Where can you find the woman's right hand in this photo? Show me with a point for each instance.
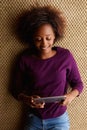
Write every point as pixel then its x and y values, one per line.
pixel 29 100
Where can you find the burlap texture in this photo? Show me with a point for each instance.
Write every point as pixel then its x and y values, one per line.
pixel 75 40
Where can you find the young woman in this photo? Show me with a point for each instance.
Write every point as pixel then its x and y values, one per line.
pixel 44 70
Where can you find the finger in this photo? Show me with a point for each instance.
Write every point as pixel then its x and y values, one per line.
pixel 40 105
pixel 64 103
pixel 37 106
pixel 33 104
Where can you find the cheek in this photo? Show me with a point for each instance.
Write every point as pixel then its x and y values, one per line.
pixel 52 42
pixel 37 44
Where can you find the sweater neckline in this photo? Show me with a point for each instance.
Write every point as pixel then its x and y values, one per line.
pixel 50 58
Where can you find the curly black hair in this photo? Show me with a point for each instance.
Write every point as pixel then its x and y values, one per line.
pixel 30 20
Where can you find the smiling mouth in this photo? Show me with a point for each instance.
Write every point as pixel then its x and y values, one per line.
pixel 44 48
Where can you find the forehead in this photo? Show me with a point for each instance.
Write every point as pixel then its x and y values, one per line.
pixel 45 30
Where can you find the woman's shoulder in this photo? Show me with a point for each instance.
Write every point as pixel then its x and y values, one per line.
pixel 66 54
pixel 63 51
pixel 25 52
pixel 24 55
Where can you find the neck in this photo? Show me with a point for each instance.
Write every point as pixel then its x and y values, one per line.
pixel 47 55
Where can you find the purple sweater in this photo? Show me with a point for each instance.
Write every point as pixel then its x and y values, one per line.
pixel 48 77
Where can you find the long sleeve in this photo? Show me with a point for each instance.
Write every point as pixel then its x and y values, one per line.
pixel 74 76
pixel 18 78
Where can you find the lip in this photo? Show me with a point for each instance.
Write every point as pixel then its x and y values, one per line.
pixel 44 48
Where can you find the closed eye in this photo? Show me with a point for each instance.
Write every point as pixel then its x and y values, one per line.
pixel 38 39
pixel 48 38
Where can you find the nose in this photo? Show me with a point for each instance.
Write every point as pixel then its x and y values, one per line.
pixel 44 42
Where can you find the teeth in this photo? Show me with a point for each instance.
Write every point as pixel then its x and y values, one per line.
pixel 44 48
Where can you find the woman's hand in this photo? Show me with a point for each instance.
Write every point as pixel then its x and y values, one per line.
pixel 70 97
pixel 29 100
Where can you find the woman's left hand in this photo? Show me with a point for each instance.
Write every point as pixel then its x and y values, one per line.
pixel 70 97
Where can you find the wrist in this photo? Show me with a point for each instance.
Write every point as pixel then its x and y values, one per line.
pixel 74 93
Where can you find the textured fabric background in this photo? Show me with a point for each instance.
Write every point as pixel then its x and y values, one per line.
pixel 75 11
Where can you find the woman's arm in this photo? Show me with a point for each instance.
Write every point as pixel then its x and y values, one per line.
pixel 29 100
pixel 70 97
pixel 74 79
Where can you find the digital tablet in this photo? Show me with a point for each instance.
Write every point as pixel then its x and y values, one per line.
pixel 50 99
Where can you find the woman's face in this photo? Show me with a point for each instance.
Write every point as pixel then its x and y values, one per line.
pixel 44 38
